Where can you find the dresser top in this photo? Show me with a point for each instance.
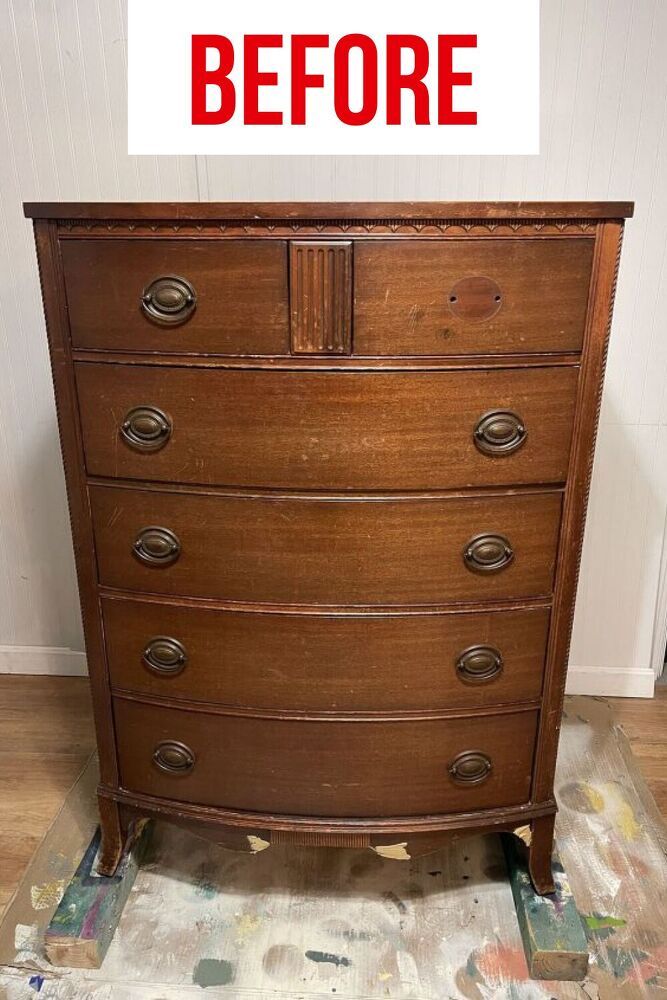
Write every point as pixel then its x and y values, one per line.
pixel 330 210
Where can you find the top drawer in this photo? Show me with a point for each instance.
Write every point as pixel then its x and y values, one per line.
pixel 229 297
pixel 459 297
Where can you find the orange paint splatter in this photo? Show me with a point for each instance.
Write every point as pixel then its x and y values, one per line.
pixel 498 963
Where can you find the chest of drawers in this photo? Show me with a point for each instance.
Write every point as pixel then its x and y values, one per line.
pixel 327 468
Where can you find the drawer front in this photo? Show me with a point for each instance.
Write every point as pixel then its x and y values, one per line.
pixel 307 551
pixel 326 664
pixel 471 296
pixel 324 768
pixel 329 430
pixel 239 289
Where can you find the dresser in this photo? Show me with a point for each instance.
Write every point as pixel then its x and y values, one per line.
pixel 327 468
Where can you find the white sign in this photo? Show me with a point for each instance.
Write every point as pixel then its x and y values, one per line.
pixel 214 77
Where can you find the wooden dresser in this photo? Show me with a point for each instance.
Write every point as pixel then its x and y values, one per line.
pixel 328 467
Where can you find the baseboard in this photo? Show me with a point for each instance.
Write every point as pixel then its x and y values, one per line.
pixel 613 682
pixel 56 660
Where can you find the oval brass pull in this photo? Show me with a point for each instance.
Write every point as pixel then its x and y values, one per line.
pixel 173 757
pixel 470 767
pixel 499 432
pixel 146 428
pixel 488 553
pixel 478 664
pixel 169 299
pixel 165 655
pixel 157 546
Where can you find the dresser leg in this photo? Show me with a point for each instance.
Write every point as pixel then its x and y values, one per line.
pixel 539 854
pixel 113 836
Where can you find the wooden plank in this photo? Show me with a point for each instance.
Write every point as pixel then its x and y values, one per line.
pixel 331 210
pixel 553 935
pixel 84 924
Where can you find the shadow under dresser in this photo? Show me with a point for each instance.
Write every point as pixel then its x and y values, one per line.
pixel 328 467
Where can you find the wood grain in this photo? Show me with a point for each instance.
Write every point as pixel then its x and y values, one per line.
pixel 325 663
pixel 241 290
pixel 46 737
pixel 403 292
pixel 603 287
pixel 321 297
pixel 330 210
pixel 327 430
pixel 336 552
pixel 325 768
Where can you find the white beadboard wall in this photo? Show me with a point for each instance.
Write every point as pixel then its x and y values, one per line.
pixel 604 117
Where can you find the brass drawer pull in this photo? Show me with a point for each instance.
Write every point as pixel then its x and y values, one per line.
pixel 157 546
pixel 499 432
pixel 470 767
pixel 169 299
pixel 146 428
pixel 479 664
pixel 488 553
pixel 173 757
pixel 165 656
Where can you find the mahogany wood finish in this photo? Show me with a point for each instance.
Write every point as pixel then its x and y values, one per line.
pixel 240 290
pixel 349 768
pixel 328 554
pixel 470 297
pixel 321 297
pixel 324 662
pixel 332 430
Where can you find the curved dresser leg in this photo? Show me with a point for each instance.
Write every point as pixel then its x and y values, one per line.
pixel 539 854
pixel 113 836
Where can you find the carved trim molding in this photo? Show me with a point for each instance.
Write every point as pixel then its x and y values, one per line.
pixel 321 296
pixel 324 227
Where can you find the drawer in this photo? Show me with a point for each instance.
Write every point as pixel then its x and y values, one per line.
pixel 324 768
pixel 239 289
pixel 320 551
pixel 483 296
pixel 322 663
pixel 343 430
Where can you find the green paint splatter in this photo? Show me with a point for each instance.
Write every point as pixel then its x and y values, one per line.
pixel 213 972
pixel 325 956
pixel 600 925
pixel 596 920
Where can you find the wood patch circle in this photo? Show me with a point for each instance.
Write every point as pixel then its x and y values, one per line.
pixel 475 299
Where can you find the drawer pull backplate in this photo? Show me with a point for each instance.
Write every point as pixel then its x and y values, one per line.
pixel 146 428
pixel 478 664
pixel 173 757
pixel 488 553
pixel 165 655
pixel 470 767
pixel 499 432
pixel 156 546
pixel 169 299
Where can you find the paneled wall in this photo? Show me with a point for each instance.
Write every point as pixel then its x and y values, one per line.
pixel 604 135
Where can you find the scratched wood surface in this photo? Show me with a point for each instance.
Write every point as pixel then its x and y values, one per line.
pixel 311 923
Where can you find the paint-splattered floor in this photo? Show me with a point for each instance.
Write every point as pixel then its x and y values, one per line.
pixel 290 923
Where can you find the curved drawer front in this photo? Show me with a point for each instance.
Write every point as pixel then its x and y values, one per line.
pixel 470 296
pixel 325 768
pixel 178 296
pixel 323 663
pixel 331 430
pixel 341 552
